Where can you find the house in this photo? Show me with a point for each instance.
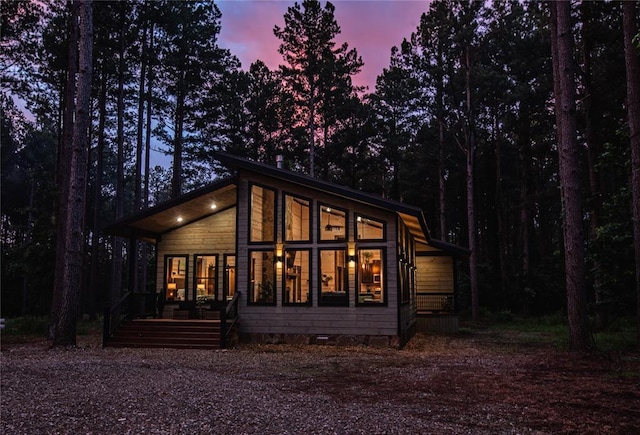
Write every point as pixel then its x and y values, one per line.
pixel 293 258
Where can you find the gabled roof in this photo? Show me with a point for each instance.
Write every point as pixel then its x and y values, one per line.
pixel 150 224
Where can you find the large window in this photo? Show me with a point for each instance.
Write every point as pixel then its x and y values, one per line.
pixel 262 226
pixel 333 277
pixel 175 272
pixel 206 277
pixel 332 223
pixel 262 283
pixel 371 276
pixel 297 277
pixel 229 288
pixel 297 222
pixel 369 229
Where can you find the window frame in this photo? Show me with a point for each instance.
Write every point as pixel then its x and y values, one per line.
pixel 226 280
pixel 343 302
pixel 196 277
pixel 380 221
pixel 283 285
pixel 384 280
pixel 251 299
pixel 166 278
pixel 274 211
pixel 322 205
pixel 286 195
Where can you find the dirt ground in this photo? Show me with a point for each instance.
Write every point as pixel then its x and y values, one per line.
pixel 494 383
pixel 479 382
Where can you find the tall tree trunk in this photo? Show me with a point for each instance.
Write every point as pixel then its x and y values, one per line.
pixel 523 156
pixel 312 130
pixel 176 180
pixel 139 137
pixel 630 28
pixel 441 146
pixel 134 246
pixel 66 310
pixel 116 265
pixel 27 239
pixel 441 182
pixel 569 162
pixel 470 148
pixel 96 234
pixel 600 292
pixel 147 145
pixel 503 233
pixel 65 146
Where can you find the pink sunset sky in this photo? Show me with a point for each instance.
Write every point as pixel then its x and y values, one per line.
pixel 372 27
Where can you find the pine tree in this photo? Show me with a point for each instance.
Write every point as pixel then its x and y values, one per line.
pixel 316 72
pixel 64 312
pixel 565 106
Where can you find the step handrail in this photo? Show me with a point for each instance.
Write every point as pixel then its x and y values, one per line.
pixel 230 311
pixel 108 325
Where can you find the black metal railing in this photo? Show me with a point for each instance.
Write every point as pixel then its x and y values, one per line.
pixel 435 302
pixel 228 313
pixel 114 316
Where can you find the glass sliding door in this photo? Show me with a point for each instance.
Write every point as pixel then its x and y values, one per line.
pixel 206 277
pixel 229 288
pixel 175 272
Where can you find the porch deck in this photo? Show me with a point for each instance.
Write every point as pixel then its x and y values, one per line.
pixel 168 333
pixel 436 313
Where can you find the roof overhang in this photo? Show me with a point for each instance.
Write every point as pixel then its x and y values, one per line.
pixel 151 223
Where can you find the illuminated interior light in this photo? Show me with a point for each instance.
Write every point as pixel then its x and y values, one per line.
pixel 213 206
pixel 179 219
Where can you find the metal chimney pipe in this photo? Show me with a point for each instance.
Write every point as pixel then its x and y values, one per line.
pixel 279 160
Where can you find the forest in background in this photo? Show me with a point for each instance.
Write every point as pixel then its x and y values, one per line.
pixel 465 109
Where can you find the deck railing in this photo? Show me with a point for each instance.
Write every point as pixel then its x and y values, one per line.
pixel 228 312
pixel 114 316
pixel 435 303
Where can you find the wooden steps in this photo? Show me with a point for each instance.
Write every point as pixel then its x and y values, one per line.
pixel 167 333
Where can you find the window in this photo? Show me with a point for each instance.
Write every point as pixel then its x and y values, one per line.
pixel 262 226
pixel 175 272
pixel 371 279
pixel 333 223
pixel 206 277
pixel 297 225
pixel 229 288
pixel 333 277
pixel 404 275
pixel 262 269
pixel 369 229
pixel 297 276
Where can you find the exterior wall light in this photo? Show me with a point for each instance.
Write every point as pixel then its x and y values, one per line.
pixel 352 254
pixel 279 254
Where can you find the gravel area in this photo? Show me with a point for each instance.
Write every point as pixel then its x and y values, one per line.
pixel 435 385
